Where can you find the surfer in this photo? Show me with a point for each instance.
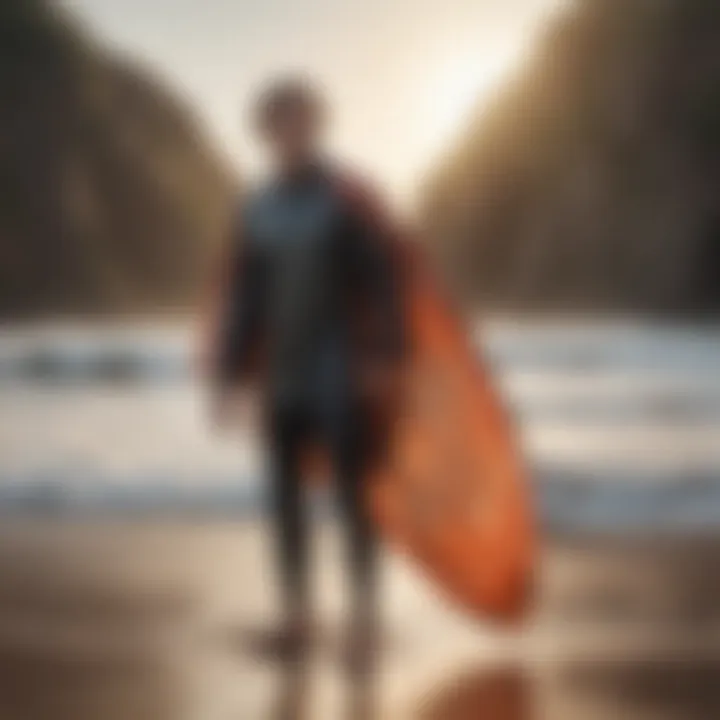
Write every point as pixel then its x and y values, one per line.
pixel 309 266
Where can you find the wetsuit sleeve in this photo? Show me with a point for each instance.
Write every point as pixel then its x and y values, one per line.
pixel 243 311
pixel 372 255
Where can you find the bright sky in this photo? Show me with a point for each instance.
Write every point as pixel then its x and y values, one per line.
pixel 401 74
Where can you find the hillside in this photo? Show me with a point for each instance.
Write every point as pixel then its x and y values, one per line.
pixel 110 198
pixel 591 182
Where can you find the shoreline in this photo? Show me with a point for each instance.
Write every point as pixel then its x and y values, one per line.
pixel 570 503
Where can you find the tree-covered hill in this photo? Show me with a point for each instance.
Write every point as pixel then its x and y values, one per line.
pixel 592 181
pixel 110 198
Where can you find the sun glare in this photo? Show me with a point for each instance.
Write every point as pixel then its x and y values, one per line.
pixel 465 83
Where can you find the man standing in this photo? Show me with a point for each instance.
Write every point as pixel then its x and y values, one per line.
pixel 312 279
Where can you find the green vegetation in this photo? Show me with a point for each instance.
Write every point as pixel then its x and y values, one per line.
pixel 592 182
pixel 110 199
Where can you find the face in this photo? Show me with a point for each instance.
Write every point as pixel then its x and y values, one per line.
pixel 293 138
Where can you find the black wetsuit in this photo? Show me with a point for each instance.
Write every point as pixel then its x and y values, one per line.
pixel 307 258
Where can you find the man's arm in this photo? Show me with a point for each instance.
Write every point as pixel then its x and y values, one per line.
pixel 374 246
pixel 243 307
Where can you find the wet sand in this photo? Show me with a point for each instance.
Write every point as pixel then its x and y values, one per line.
pixel 135 621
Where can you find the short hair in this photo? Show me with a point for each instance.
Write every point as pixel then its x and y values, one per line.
pixel 289 94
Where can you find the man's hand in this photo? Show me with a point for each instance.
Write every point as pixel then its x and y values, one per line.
pixel 232 407
pixel 220 408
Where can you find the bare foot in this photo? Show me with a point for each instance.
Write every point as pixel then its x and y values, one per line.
pixel 288 643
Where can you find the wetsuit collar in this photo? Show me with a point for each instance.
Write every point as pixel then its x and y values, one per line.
pixel 304 175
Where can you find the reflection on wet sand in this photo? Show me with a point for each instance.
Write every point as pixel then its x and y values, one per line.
pixel 679 688
pixel 292 700
pixel 488 694
pixel 63 687
pixel 77 659
pixel 76 646
pixel 293 692
pixel 671 688
pixel 131 622
pixel 75 655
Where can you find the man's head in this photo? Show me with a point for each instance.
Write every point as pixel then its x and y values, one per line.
pixel 290 118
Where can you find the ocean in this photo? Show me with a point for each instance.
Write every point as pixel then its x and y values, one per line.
pixel 619 422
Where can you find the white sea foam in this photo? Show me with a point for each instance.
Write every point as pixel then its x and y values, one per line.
pixel 618 420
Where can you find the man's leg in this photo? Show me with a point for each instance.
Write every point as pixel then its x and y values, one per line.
pixel 287 432
pixel 348 449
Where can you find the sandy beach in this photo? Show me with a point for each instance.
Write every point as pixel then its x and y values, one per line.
pixel 147 620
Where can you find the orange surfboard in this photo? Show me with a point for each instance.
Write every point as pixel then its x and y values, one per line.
pixel 451 489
